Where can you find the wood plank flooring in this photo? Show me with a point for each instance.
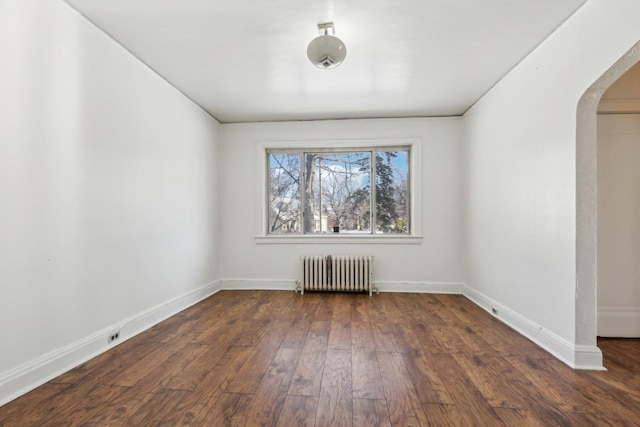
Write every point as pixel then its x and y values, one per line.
pixel 269 358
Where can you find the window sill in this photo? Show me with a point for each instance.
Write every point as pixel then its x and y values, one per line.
pixel 339 239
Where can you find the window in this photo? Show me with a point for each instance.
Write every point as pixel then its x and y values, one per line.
pixel 329 191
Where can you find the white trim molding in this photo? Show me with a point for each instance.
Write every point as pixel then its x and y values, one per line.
pixel 367 239
pixel 576 356
pixel 290 285
pixel 623 322
pixel 421 287
pixel 34 373
pixel 588 357
pixel 258 284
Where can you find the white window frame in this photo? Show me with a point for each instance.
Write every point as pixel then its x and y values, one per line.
pixel 415 190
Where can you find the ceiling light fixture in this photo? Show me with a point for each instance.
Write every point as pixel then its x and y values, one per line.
pixel 326 51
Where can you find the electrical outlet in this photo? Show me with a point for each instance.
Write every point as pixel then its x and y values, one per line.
pixel 113 336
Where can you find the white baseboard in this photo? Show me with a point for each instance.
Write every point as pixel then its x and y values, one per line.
pixel 588 357
pixel 577 357
pixel 257 284
pixel 289 285
pixel 421 287
pixel 622 322
pixel 32 374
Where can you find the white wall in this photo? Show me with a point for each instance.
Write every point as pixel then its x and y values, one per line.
pixel 520 181
pixel 108 213
pixel 619 225
pixel 432 263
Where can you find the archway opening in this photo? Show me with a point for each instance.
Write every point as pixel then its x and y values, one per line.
pixel 586 202
pixel 618 208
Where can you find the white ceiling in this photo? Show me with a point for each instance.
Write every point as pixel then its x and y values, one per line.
pixel 245 60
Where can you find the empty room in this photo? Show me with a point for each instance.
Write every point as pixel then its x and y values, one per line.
pixel 319 213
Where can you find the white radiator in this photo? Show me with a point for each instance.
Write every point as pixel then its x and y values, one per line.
pixel 353 273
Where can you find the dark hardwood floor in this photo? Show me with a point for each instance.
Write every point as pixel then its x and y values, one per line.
pixel 277 358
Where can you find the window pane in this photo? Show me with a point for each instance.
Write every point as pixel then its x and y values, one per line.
pixel 392 192
pixel 337 192
pixel 284 193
